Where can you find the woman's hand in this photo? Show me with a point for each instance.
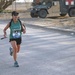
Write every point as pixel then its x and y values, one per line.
pixel 4 35
pixel 24 28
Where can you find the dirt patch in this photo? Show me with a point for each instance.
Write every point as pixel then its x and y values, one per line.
pixel 51 21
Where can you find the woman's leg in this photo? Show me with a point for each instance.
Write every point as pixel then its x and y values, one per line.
pixel 18 46
pixel 15 48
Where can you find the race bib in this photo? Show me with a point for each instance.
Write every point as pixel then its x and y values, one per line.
pixel 16 34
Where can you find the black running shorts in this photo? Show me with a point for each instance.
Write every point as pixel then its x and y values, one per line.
pixel 18 40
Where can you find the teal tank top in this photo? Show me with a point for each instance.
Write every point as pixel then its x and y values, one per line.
pixel 15 30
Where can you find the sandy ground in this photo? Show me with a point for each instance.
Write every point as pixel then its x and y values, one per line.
pixel 51 20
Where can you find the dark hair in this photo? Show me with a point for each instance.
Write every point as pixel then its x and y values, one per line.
pixel 15 13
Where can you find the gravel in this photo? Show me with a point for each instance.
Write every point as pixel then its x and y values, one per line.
pixel 51 21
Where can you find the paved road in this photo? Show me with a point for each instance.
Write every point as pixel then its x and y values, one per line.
pixel 43 52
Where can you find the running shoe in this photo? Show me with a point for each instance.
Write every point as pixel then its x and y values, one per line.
pixel 11 51
pixel 16 64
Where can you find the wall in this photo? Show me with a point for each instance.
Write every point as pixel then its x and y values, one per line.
pixel 24 0
pixel 25 6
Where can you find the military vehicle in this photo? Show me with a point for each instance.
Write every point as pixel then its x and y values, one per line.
pixel 41 9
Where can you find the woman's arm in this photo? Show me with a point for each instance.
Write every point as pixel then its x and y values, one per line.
pixel 24 28
pixel 4 30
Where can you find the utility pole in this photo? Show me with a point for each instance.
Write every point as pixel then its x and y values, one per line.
pixel 12 5
pixel 15 5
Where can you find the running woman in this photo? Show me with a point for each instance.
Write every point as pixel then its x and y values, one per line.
pixel 15 38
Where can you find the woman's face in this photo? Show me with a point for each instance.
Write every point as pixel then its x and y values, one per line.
pixel 15 18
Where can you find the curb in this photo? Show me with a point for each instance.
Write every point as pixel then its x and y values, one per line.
pixel 69 31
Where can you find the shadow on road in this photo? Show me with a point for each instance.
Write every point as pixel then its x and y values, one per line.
pixel 58 17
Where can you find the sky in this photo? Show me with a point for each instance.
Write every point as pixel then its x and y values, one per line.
pixel 24 0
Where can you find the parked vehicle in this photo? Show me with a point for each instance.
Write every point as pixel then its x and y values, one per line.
pixel 41 9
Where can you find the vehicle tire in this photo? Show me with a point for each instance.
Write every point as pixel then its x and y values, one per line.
pixel 62 14
pixel 71 12
pixel 33 16
pixel 42 13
